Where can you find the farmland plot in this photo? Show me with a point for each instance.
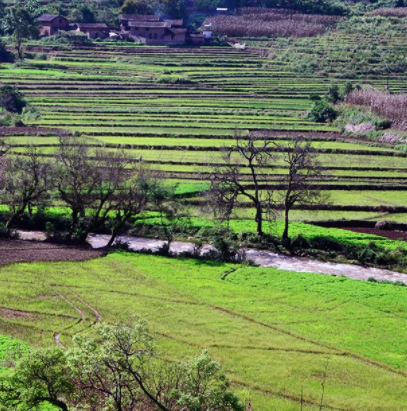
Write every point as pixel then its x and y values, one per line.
pixel 176 108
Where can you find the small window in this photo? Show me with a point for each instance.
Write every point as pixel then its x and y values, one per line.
pixel 155 35
pixel 147 29
pixel 60 21
pixel 172 37
pixel 150 36
pixel 135 28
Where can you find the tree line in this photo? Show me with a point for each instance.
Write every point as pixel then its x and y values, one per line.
pixel 99 188
pixel 107 189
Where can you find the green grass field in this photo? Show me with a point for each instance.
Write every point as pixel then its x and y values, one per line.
pixel 274 331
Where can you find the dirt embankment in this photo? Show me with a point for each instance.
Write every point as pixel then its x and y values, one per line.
pixel 15 251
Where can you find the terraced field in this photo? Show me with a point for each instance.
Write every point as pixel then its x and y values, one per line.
pixel 174 108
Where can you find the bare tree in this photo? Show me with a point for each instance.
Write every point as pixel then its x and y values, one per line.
pixel 101 188
pixel 171 213
pixel 130 199
pixel 27 182
pixel 108 180
pixel 303 170
pixel 228 182
pixel 76 180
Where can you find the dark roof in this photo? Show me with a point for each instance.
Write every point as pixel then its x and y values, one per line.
pixel 177 22
pixel 151 24
pixel 92 26
pixel 48 18
pixel 139 17
pixel 177 31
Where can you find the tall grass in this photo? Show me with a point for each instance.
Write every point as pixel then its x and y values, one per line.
pixel 272 23
pixel 391 106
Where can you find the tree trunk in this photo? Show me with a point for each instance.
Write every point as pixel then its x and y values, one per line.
pixel 112 238
pixel 60 404
pixel 74 224
pixel 259 220
pixel 286 222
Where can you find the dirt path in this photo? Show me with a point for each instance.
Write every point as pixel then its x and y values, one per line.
pixel 81 313
pixel 95 311
pixel 56 339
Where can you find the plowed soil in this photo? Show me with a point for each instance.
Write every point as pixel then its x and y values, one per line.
pixel 15 251
pixel 391 234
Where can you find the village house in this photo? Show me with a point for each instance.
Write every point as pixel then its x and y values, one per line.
pixel 52 23
pixel 151 30
pixel 93 30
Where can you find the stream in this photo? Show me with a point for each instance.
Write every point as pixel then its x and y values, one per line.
pixel 262 258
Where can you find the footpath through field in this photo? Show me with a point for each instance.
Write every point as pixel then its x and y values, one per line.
pixel 263 258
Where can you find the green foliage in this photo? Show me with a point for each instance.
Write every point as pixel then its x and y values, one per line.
pixel 137 7
pixel 21 25
pixel 39 377
pixel 11 99
pixel 322 112
pixel 333 95
pixel 174 80
pixel 87 376
pixel 68 37
pixel 83 13
pixel 174 8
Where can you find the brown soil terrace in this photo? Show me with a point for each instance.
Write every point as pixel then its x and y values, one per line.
pixel 29 251
pixel 29 130
pixel 391 234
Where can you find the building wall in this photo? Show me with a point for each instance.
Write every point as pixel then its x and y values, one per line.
pixel 156 36
pixel 48 29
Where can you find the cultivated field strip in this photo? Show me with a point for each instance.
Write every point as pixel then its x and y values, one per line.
pixel 176 108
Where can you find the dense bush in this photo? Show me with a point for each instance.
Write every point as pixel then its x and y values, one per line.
pixel 11 99
pixel 322 112
pixel 68 37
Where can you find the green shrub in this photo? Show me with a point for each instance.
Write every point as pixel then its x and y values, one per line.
pixel 11 99
pixel 322 112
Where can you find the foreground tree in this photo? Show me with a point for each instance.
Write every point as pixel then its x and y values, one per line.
pixel 300 181
pixel 228 182
pixel 19 23
pixel 40 377
pixel 27 182
pixel 117 367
